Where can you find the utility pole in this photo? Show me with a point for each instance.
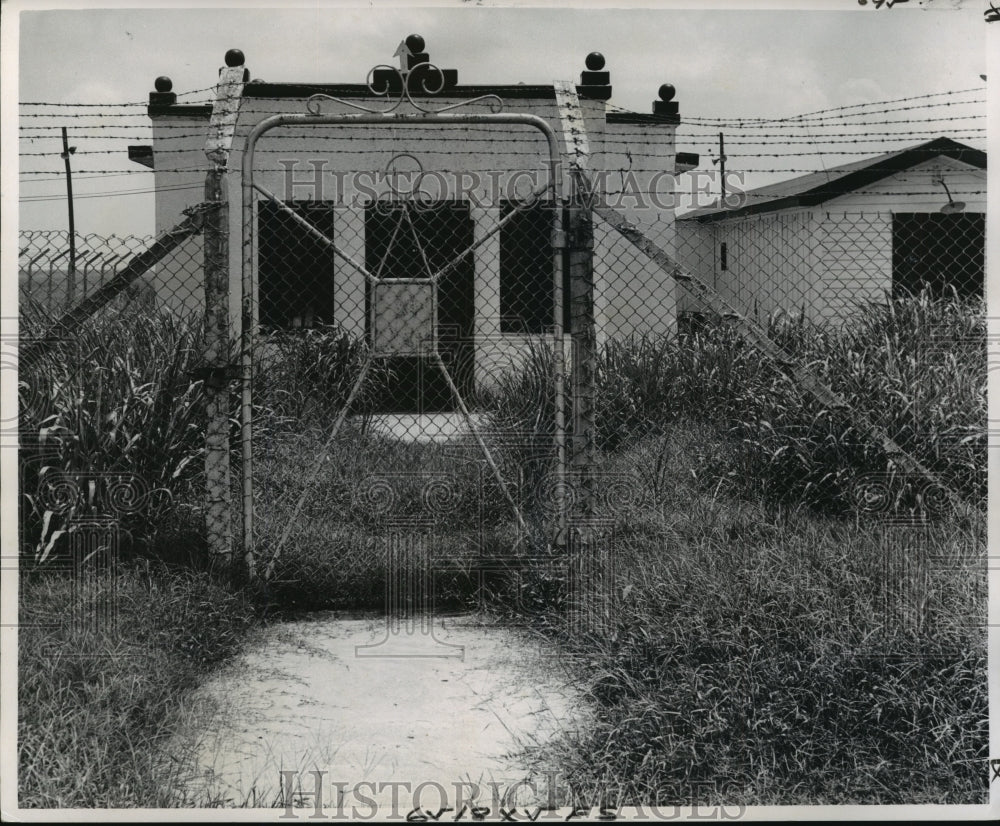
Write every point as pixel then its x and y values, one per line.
pixel 722 168
pixel 71 283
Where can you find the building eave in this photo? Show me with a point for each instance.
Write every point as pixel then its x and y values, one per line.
pixel 880 168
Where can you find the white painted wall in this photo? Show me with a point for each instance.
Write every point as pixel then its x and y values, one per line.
pixel 632 295
pixel 179 173
pixel 697 252
pixel 826 260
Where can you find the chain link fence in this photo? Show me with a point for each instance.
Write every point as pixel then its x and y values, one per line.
pixel 448 308
pixel 826 267
pixel 49 285
pixel 827 350
pixel 473 371
pixel 111 416
pixel 398 326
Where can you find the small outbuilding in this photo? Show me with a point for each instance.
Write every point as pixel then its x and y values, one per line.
pixel 823 243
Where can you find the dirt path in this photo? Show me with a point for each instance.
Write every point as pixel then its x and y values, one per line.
pixel 304 700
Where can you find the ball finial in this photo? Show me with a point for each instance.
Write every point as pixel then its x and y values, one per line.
pixel 595 61
pixel 234 57
pixel 163 84
pixel 415 43
pixel 667 92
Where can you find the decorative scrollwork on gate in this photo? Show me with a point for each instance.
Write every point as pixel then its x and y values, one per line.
pixel 427 77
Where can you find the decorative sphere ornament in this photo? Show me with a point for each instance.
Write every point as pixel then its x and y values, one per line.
pixel 163 84
pixel 595 61
pixel 234 57
pixel 415 43
pixel 667 92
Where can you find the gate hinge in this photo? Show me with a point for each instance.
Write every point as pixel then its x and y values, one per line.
pixel 219 375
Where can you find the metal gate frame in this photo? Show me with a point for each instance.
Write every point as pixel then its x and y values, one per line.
pixel 249 323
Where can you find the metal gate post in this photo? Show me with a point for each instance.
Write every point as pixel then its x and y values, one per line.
pixel 580 241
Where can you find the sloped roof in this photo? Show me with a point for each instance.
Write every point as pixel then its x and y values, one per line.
pixel 817 187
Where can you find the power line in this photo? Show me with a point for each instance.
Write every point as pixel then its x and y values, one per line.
pixel 109 194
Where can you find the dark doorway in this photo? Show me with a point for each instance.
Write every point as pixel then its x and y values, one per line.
pixel 295 269
pixel 938 252
pixel 408 240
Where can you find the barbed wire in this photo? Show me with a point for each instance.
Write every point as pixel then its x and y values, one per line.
pixel 83 105
pixel 321 87
pixel 871 103
pixel 870 138
pixel 809 123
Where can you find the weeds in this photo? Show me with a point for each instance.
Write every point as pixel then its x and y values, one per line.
pixel 752 639
pixel 763 656
pixel 112 422
pixel 913 367
pixel 96 704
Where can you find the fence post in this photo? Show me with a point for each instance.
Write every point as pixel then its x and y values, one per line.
pixel 218 495
pixel 579 234
pixel 218 514
pixel 580 239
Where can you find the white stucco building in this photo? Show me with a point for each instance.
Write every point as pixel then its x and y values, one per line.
pixel 351 182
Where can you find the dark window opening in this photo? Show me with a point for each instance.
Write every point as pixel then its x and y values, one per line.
pixel 414 245
pixel 723 256
pixel 937 252
pixel 526 269
pixel 295 269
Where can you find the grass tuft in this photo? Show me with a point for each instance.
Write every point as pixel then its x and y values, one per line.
pixel 97 703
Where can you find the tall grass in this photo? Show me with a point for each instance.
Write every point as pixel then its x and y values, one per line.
pixel 747 641
pixel 96 705
pixel 334 555
pixel 117 399
pixel 914 367
pixel 307 375
pixel 763 649
pixel 764 657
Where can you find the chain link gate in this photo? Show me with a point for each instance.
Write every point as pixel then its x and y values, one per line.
pixel 381 408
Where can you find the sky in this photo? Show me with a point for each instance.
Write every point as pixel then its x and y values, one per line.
pixel 727 63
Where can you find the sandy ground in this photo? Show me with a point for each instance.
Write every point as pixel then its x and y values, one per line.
pixel 453 710
pixel 427 427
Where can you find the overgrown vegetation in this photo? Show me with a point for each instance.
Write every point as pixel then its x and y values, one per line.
pixel 97 700
pixel 761 631
pixel 774 639
pixel 770 655
pixel 112 422
pixel 914 367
